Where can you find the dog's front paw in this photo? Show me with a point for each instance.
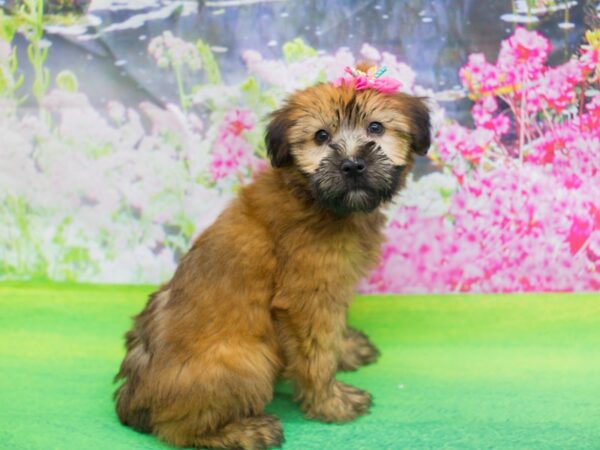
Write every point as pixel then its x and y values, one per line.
pixel 357 351
pixel 344 403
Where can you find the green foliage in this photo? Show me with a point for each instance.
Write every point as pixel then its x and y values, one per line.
pixel 256 97
pixel 71 260
pixel 28 259
pixel 97 150
pixel 10 82
pixel 8 27
pixel 211 67
pixel 65 7
pixel 67 81
pixel 297 50
pixel 28 18
pixel 37 56
pixel 31 13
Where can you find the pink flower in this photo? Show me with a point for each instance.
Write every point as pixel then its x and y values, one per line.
pixel 232 153
pixel 455 142
pixel 482 78
pixel 593 107
pixel 483 115
pixel 581 229
pixel 590 53
pixel 451 139
pixel 593 249
pixel 524 52
pixel 237 121
pixel 557 87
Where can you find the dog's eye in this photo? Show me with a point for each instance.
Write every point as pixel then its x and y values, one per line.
pixel 321 137
pixel 375 128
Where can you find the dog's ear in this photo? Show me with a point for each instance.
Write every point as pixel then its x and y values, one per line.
pixel 417 112
pixel 278 147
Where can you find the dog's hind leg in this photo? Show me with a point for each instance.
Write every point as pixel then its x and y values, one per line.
pixel 217 398
pixel 356 350
pixel 250 433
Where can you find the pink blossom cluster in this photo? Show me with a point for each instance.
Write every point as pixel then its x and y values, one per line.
pixel 232 152
pixel 483 116
pixel 590 52
pixel 526 215
pixel 520 61
pixel 521 78
pixel 506 231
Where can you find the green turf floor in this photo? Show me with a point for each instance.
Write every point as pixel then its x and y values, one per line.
pixel 477 372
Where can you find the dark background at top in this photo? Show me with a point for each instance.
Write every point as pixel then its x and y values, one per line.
pixel 434 37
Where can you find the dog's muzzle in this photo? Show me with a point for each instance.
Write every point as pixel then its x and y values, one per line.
pixel 345 185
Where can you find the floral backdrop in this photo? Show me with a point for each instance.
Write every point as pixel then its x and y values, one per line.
pixel 114 190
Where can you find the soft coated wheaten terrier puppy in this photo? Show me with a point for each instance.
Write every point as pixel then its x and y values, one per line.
pixel 264 292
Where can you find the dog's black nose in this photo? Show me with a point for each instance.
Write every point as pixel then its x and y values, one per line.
pixel 353 167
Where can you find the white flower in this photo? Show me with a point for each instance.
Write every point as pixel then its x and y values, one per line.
pixel 370 52
pixel 429 194
pixel 168 50
pixel 5 52
pixel 399 71
pixel 116 111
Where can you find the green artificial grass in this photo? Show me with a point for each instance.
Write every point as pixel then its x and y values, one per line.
pixel 456 372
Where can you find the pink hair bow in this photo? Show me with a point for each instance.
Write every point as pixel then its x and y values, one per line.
pixel 371 79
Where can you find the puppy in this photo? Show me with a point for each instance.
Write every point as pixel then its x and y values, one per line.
pixel 264 292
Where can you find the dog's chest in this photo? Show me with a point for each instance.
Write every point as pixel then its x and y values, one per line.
pixel 331 257
pixel 357 251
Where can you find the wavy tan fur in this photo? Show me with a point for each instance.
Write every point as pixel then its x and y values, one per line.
pixel 264 292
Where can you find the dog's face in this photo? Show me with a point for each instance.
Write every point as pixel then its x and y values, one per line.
pixel 354 147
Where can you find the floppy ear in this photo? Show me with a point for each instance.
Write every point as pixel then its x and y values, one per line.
pixel 417 112
pixel 278 147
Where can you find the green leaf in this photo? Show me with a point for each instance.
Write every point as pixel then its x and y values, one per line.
pixel 45 79
pixel 8 27
pixel 250 87
pixel 30 53
pixel 13 62
pixel 211 67
pixel 204 179
pixel 297 50
pixel 67 81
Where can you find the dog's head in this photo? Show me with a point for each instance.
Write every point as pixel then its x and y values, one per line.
pixel 353 146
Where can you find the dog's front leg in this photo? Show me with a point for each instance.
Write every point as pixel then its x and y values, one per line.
pixel 311 336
